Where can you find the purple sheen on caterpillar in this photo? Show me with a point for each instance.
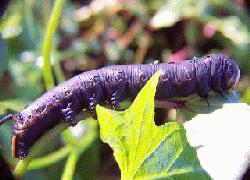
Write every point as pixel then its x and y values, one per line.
pixel 111 85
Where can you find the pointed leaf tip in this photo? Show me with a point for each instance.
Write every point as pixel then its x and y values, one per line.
pixel 144 150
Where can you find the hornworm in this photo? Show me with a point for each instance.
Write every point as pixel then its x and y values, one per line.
pixel 112 84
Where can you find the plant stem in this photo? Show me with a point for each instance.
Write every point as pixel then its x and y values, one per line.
pixel 49 159
pixel 21 168
pixel 80 146
pixel 70 166
pixel 47 43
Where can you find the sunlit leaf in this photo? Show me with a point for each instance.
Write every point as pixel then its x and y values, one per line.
pixel 144 150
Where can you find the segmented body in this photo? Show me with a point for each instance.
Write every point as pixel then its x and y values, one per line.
pixel 112 84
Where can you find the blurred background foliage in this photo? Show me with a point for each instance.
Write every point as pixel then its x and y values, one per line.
pixel 96 33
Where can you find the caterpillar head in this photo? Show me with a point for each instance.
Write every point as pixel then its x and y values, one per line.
pixel 225 72
pixel 28 127
pixel 21 125
pixel 231 75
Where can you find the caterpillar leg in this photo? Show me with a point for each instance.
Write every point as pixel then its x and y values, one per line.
pixel 115 103
pixel 205 96
pixel 208 104
pixel 115 100
pixel 69 115
pixel 92 105
pixel 223 95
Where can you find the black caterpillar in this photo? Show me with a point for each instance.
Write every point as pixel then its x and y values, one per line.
pixel 112 84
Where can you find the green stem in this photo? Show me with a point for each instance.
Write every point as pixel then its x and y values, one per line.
pixel 21 168
pixel 79 147
pixel 70 166
pixel 68 137
pixel 47 43
pixel 47 160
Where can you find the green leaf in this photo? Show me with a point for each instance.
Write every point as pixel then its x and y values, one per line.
pixel 144 150
pixel 49 159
